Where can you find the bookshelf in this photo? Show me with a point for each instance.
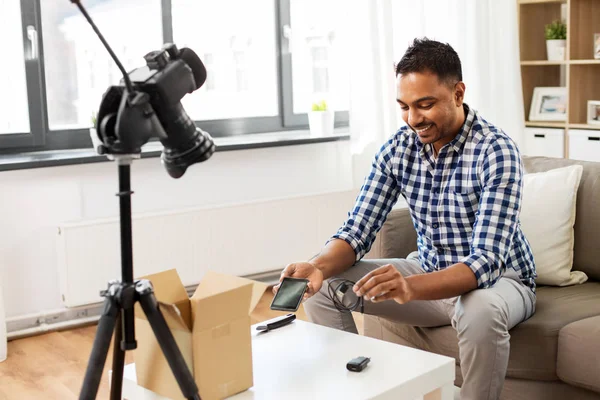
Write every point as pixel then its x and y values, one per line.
pixel 579 72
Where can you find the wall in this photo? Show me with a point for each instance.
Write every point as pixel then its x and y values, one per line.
pixel 35 202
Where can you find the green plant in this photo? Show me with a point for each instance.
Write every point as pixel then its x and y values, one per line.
pixel 320 106
pixel 557 30
pixel 93 119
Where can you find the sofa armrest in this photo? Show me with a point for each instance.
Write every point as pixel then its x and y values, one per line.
pixel 397 237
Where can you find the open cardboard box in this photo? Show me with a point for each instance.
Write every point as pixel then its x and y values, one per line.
pixel 212 330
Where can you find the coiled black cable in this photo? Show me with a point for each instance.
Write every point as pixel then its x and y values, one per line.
pixel 337 289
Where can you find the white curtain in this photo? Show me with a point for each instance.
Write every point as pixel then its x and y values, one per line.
pixel 484 33
pixel 372 88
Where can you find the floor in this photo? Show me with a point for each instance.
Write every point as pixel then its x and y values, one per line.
pixel 52 366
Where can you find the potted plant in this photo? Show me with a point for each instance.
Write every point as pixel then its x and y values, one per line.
pixel 320 119
pixel 556 40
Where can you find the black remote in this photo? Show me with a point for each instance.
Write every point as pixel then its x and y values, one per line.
pixel 276 323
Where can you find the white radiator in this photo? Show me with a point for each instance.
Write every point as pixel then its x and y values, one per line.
pixel 237 239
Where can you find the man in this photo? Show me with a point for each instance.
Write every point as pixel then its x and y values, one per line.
pixel 462 180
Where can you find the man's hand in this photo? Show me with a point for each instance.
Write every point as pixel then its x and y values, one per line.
pixel 303 270
pixel 384 283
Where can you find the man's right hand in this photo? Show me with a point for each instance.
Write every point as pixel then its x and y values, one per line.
pixel 303 270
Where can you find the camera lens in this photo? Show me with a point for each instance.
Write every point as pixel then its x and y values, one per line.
pixel 176 161
pixel 185 143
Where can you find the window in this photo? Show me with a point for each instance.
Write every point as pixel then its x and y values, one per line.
pixel 211 71
pixel 78 69
pixel 243 50
pixel 58 69
pixel 319 53
pixel 320 70
pixel 241 75
pixel 14 108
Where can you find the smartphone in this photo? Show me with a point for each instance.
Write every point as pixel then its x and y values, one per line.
pixel 290 294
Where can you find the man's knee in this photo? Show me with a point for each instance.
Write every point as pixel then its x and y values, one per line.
pixel 479 316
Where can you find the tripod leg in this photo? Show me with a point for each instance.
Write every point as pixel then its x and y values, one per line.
pixel 116 384
pixel 104 333
pixel 166 341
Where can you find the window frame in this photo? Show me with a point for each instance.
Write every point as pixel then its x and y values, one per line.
pixel 41 138
pixel 30 16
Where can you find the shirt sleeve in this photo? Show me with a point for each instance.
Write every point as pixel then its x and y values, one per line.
pixel 377 196
pixel 498 214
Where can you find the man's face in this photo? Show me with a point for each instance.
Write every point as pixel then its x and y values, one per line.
pixel 429 106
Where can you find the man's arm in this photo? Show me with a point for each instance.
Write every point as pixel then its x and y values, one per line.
pixel 498 214
pixel 354 239
pixel 492 236
pixel 450 282
pixel 336 257
pixel 387 283
pixel 377 196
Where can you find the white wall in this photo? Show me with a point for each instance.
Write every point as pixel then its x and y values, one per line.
pixel 35 201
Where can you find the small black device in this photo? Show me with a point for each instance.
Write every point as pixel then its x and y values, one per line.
pixel 276 323
pixel 357 364
pixel 290 294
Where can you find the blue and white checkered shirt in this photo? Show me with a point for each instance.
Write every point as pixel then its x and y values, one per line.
pixel 464 206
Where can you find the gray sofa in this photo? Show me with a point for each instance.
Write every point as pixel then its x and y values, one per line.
pixel 556 353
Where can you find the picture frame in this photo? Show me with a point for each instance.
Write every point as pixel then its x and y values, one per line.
pixel 593 112
pixel 548 104
pixel 597 46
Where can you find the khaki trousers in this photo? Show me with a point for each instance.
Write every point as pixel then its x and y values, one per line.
pixel 482 320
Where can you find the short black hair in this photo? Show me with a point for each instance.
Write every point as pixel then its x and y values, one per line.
pixel 429 55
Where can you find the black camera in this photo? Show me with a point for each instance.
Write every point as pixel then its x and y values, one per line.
pixel 147 104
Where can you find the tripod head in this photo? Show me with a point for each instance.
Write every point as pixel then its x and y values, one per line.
pixel 146 104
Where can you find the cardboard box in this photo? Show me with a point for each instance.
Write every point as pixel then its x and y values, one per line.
pixel 212 330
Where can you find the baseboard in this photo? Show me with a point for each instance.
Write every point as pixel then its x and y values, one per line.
pixel 69 318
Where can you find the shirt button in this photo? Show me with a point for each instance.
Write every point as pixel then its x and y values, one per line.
pixel 435 226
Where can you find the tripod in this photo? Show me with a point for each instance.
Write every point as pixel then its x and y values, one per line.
pixel 119 300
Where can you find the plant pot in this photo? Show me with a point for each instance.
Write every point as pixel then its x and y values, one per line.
pixel 320 123
pixel 556 49
pixel 96 143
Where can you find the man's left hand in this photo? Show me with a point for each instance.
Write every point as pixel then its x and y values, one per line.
pixel 384 283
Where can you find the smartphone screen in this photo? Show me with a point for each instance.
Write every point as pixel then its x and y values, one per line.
pixel 290 294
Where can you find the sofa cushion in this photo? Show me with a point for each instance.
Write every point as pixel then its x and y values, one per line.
pixel 579 354
pixel 547 219
pixel 534 342
pixel 587 222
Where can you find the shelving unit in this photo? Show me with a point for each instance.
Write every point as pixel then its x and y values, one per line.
pixel 579 72
pixel 549 124
pixel 543 62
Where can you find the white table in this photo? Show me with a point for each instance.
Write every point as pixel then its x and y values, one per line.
pixel 308 361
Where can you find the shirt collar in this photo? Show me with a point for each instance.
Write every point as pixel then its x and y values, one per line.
pixel 458 143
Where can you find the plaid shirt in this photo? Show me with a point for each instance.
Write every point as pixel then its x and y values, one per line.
pixel 464 205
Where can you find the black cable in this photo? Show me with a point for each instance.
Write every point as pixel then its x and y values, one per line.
pixel 105 43
pixel 337 289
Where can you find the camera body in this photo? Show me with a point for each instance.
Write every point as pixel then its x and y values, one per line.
pixel 165 77
pixel 129 118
